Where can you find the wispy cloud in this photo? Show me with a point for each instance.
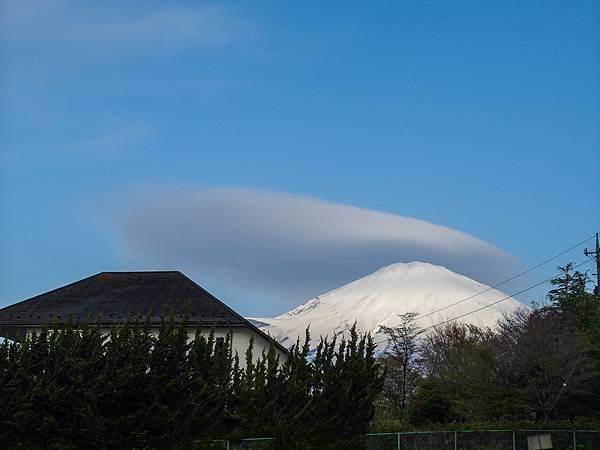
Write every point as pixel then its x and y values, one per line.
pixel 119 26
pixel 282 248
pixel 109 144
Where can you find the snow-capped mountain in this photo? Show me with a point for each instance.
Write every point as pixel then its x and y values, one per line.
pixel 379 298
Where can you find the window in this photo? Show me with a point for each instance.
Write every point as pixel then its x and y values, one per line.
pixel 219 343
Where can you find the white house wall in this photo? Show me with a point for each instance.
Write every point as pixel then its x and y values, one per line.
pixel 240 340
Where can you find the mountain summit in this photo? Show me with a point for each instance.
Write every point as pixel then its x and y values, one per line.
pixel 379 298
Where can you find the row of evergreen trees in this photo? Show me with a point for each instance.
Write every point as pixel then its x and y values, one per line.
pixel 77 388
pixel 536 366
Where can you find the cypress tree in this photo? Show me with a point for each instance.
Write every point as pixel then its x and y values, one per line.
pixel 76 387
pixel 168 385
pixel 210 377
pixel 122 391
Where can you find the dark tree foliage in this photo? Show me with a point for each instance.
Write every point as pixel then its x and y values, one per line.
pixel 130 387
pixel 536 365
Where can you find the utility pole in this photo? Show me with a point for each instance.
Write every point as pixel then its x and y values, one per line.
pixel 596 254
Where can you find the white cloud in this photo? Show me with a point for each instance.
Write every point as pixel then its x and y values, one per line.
pixel 281 248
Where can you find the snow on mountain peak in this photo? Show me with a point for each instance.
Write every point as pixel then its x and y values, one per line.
pixel 413 268
pixel 379 298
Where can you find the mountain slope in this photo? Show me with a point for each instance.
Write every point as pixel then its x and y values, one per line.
pixel 377 299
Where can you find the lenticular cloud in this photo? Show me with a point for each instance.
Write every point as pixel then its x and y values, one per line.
pixel 281 248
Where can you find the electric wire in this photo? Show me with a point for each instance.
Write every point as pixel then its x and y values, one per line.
pixel 506 281
pixel 491 304
pixel 562 388
pixel 501 300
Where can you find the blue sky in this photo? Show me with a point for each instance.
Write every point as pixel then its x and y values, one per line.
pixel 477 116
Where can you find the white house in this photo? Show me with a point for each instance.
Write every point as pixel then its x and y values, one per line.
pixel 109 298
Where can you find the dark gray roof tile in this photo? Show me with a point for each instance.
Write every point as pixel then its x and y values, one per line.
pixel 112 297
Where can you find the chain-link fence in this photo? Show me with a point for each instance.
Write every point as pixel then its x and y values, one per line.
pixel 244 444
pixel 485 440
pixel 254 444
pixel 455 440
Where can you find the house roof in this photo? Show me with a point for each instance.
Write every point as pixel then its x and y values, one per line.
pixel 111 297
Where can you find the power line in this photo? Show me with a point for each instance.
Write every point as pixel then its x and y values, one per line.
pixel 491 304
pixel 562 388
pixel 502 299
pixel 508 280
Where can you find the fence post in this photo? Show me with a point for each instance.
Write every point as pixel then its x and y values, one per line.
pixel 514 440
pixel 398 435
pixel 574 439
pixel 456 440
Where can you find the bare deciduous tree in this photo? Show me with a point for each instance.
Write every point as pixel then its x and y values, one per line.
pixel 402 364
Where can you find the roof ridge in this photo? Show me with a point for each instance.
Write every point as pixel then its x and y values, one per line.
pixel 111 296
pixel 89 277
pixel 139 271
pixel 246 321
pixel 52 291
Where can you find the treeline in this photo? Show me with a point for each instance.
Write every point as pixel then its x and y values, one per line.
pixel 77 388
pixel 537 366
